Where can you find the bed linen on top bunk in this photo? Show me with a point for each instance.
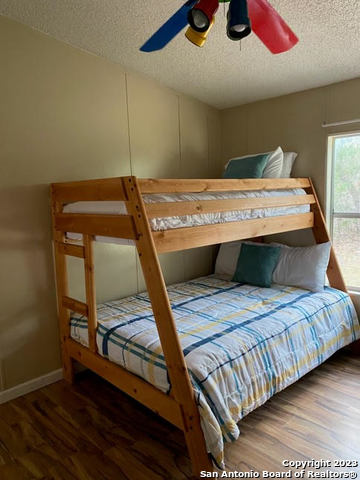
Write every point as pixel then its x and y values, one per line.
pixel 242 344
pixel 166 223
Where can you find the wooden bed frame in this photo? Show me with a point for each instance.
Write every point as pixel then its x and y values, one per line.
pixel 179 407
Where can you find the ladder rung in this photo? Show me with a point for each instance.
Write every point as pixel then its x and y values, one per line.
pixel 75 305
pixel 70 249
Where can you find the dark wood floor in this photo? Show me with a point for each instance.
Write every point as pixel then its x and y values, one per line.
pixel 92 431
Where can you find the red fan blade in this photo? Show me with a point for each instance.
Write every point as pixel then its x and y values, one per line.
pixel 272 29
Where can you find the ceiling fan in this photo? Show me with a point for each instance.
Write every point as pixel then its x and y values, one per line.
pixel 243 17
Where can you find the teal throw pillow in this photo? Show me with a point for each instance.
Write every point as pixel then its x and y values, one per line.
pixel 247 167
pixel 256 264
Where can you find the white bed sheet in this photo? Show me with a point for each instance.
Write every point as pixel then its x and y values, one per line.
pixel 166 223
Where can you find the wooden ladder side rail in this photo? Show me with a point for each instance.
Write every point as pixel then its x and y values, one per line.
pixel 179 377
pixel 62 290
pixel 321 235
pixel 90 290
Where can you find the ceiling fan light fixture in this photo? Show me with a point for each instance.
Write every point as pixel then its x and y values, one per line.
pixel 202 14
pixel 239 25
pixel 198 38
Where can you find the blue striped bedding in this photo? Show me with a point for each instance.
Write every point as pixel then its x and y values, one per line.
pixel 242 344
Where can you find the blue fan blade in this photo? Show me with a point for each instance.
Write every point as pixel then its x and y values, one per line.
pixel 169 30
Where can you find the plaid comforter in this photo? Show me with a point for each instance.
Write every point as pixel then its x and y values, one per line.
pixel 242 344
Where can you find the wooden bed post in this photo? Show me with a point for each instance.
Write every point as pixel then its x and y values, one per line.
pixel 321 235
pixel 62 291
pixel 180 382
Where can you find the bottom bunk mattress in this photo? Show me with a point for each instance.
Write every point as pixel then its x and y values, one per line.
pixel 242 344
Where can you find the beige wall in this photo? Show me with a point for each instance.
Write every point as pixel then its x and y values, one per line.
pixel 68 115
pixel 295 123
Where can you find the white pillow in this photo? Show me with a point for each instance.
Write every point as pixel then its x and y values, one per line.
pixel 303 267
pixel 288 163
pixel 227 258
pixel 274 165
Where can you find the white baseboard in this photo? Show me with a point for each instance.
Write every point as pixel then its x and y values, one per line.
pixel 30 386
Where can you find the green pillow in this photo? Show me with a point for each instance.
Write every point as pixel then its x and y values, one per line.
pixel 256 264
pixel 247 167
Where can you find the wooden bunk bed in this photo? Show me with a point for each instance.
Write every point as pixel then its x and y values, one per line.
pixel 178 407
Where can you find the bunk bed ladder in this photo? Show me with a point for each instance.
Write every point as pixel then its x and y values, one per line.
pixel 66 303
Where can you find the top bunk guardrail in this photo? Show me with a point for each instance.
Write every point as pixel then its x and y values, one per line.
pixel 164 185
pixel 108 189
pixel 131 190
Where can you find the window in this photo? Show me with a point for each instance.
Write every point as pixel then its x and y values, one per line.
pixel 344 205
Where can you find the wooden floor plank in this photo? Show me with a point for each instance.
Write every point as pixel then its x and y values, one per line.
pixel 40 462
pixel 92 431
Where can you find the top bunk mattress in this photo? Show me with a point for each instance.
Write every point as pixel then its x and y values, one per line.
pixel 172 222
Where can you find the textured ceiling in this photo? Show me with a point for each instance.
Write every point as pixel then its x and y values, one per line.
pixel 218 74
